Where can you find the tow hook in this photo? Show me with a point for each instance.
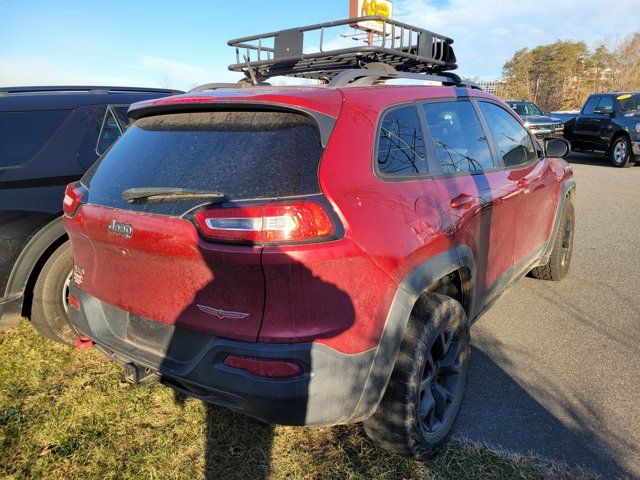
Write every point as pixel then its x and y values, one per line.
pixel 137 375
pixel 83 343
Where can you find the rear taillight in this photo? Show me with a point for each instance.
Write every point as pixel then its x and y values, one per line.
pixel 263 367
pixel 274 223
pixel 74 302
pixel 72 197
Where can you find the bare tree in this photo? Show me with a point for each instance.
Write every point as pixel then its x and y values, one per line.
pixel 166 82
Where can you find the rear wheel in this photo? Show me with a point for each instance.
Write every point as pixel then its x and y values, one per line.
pixel 621 154
pixel 416 415
pixel 558 265
pixel 50 297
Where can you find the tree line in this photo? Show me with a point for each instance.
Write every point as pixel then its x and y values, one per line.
pixel 561 75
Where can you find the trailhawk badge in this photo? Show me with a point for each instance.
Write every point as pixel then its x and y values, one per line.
pixel 222 314
pixel 122 229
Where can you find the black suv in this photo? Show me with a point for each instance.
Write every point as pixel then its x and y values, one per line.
pixel 49 136
pixel 608 123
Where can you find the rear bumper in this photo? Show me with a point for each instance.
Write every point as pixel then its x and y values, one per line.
pixel 10 311
pixel 327 393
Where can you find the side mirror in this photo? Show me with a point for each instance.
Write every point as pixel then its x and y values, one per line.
pixel 603 111
pixel 516 156
pixel 556 147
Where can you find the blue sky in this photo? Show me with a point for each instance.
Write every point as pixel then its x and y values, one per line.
pixel 152 43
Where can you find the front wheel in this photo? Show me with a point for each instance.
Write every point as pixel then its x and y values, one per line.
pixel 621 153
pixel 50 297
pixel 418 410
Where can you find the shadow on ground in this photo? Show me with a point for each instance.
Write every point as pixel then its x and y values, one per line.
pixel 231 456
pixel 501 414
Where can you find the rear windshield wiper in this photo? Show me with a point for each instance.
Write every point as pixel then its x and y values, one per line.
pixel 161 193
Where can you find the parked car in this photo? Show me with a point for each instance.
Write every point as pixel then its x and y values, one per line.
pixel 541 125
pixel 315 255
pixel 48 137
pixel 608 123
pixel 564 115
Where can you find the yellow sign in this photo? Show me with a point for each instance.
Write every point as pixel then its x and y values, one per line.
pixel 368 8
pixel 624 97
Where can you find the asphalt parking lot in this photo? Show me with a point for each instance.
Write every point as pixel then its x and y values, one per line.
pixel 556 366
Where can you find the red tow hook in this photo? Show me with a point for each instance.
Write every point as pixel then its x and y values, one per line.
pixel 83 343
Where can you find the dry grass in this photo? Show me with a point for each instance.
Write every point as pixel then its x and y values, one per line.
pixel 64 414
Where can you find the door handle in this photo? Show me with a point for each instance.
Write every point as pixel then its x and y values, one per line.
pixel 523 184
pixel 462 201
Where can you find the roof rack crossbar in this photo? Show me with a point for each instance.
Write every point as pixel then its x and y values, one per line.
pixel 366 77
pixel 404 47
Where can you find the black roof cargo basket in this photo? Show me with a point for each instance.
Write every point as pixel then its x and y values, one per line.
pixel 399 47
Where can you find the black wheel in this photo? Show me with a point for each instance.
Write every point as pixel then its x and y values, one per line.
pixel 418 410
pixel 50 297
pixel 560 260
pixel 621 154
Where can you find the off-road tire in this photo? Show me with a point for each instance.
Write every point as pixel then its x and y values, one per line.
pixel 558 265
pixel 627 160
pixel 396 425
pixel 48 314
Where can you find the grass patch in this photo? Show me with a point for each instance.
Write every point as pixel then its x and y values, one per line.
pixel 65 414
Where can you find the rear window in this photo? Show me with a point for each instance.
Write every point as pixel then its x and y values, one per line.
pixel 242 154
pixel 24 134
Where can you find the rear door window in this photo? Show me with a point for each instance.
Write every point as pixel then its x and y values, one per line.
pixel 401 149
pixel 458 136
pixel 242 154
pixel 513 141
pixel 24 134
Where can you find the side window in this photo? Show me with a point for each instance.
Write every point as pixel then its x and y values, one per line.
pixel 24 134
pixel 109 133
pixel 121 114
pixel 590 106
pixel 401 149
pixel 458 136
pixel 606 103
pixel 513 140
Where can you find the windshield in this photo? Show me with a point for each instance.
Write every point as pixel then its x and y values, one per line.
pixel 629 102
pixel 525 108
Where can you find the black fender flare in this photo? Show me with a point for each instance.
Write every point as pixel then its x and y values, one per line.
pixel 568 188
pixel 411 287
pixel 30 257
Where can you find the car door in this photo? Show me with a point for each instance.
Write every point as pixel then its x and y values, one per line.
pixel 477 195
pixel 586 126
pixel 602 122
pixel 523 162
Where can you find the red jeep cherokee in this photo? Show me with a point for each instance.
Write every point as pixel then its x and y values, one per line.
pixel 315 255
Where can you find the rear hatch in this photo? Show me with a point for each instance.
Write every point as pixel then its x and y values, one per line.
pixel 149 256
